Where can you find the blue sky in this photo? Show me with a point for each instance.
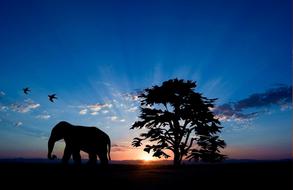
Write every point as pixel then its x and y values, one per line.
pixel 96 54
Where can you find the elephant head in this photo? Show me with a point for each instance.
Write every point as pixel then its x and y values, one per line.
pixel 58 133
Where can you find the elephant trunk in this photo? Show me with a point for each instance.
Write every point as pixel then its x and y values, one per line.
pixel 109 148
pixel 51 144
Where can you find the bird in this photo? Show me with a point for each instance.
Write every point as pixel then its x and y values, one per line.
pixel 26 90
pixel 52 97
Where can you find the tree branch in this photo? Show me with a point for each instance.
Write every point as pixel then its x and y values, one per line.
pixel 166 107
pixel 170 148
pixel 185 123
pixel 169 139
pixel 187 137
pixel 171 125
pixel 190 145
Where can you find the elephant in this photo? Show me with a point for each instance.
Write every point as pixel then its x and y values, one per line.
pixel 88 139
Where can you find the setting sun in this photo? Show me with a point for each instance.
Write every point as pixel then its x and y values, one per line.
pixel 147 157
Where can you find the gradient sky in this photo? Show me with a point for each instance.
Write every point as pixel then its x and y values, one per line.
pixel 96 54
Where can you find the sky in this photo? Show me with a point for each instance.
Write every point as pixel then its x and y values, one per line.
pixel 95 55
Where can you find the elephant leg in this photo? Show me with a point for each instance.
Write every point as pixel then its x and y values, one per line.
pixel 92 158
pixel 76 157
pixel 103 158
pixel 66 155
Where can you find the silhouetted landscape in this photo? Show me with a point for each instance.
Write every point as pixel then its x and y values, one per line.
pixel 244 175
pixel 146 95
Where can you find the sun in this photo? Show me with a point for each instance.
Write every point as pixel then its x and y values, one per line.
pixel 147 157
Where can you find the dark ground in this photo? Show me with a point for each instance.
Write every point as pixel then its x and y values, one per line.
pixel 263 176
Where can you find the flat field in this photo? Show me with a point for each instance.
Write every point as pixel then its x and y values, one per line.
pixel 260 175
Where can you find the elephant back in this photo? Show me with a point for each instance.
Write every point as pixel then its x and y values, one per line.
pixel 99 132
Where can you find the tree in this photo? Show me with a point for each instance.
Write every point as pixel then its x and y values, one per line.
pixel 178 120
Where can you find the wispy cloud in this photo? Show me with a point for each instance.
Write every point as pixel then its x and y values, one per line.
pixel 280 96
pixel 113 118
pixel 105 111
pixel 4 108
pixel 43 116
pixel 94 113
pixel 2 94
pixel 98 107
pixel 132 109
pixel 83 112
pixel 94 109
pixel 275 96
pixel 120 148
pixel 127 102
pixel 131 96
pixel 117 106
pixel 25 107
pixel 18 124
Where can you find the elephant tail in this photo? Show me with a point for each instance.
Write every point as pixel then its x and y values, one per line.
pixel 109 149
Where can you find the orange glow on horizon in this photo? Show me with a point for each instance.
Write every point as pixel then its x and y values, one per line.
pixel 147 157
pixel 233 152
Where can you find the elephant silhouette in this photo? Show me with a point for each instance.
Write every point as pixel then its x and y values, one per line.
pixel 88 139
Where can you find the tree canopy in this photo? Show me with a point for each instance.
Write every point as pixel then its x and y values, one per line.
pixel 178 120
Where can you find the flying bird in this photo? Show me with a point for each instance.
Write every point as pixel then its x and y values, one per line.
pixel 52 97
pixel 26 90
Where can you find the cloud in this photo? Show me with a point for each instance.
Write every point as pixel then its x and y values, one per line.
pixel 227 112
pixel 94 113
pixel 132 109
pixel 94 109
pixel 127 102
pixel 4 108
pixel 44 116
pixel 274 96
pixel 2 94
pixel 18 124
pixel 105 111
pixel 131 96
pixel 134 97
pixel 116 119
pixel 98 107
pixel 25 107
pixel 119 148
pixel 286 107
pixel 113 118
pixel 236 116
pixel 83 112
pixel 118 103
pixel 237 111
pixel 105 83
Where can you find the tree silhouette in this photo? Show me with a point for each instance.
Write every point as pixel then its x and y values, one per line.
pixel 177 120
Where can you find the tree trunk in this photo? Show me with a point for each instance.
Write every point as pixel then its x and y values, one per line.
pixel 176 161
